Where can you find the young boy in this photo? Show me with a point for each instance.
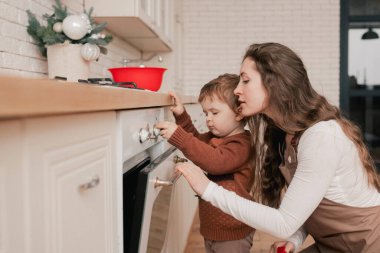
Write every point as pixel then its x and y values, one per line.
pixel 223 153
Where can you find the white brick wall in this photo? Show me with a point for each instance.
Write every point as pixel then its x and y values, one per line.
pixel 217 32
pixel 20 57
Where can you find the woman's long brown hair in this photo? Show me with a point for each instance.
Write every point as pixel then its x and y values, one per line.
pixel 292 97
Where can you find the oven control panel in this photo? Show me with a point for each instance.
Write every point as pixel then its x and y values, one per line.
pixel 136 130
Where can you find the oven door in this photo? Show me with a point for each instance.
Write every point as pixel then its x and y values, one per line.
pixel 147 194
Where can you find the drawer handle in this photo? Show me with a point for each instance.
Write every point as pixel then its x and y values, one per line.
pixel 178 159
pixel 93 183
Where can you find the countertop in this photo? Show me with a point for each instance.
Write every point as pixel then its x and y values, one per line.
pixel 25 97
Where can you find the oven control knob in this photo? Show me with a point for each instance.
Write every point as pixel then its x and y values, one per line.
pixel 144 135
pixel 156 132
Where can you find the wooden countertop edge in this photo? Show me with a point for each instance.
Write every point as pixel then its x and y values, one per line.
pixel 21 97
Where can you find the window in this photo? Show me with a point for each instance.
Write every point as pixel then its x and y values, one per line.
pixel 363 57
pixel 360 72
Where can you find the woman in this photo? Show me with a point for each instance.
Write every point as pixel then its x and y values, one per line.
pixel 302 144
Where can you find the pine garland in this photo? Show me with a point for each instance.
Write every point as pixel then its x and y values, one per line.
pixel 45 35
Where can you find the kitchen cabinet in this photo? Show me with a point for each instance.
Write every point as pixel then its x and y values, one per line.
pixel 58 184
pixel 146 24
pixel 61 165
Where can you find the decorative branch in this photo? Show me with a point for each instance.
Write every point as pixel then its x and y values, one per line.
pixel 53 32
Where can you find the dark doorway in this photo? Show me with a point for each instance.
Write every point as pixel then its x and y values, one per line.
pixel 360 74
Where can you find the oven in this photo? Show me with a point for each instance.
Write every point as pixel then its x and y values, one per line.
pixel 148 180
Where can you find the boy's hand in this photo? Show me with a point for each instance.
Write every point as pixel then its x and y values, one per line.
pixel 177 107
pixel 166 128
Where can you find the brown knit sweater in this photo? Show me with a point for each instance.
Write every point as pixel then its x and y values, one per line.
pixel 226 162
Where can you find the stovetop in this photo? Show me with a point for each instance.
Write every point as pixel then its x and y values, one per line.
pixel 104 82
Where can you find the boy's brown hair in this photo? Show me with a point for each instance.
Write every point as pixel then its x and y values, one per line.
pixel 223 87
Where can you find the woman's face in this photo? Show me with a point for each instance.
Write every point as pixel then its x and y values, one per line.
pixel 253 96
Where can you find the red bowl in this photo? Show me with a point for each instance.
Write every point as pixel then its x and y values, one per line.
pixel 149 78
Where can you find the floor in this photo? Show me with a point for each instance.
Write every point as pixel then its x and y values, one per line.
pixel 261 241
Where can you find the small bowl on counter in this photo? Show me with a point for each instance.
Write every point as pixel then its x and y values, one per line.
pixel 149 78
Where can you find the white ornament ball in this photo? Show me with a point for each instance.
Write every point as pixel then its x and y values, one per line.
pixel 84 17
pixel 57 27
pixel 90 52
pixel 88 23
pixel 75 27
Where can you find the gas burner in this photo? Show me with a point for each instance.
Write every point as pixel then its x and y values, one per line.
pixel 109 82
pixel 104 82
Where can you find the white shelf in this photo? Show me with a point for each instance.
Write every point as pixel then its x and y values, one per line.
pixel 145 24
pixel 137 33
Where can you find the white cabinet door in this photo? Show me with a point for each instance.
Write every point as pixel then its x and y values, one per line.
pixel 13 224
pixel 164 18
pixel 145 24
pixel 68 176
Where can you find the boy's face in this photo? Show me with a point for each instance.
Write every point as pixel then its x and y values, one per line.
pixel 221 120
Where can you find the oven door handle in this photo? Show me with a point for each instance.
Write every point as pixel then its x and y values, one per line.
pixel 178 159
pixel 172 181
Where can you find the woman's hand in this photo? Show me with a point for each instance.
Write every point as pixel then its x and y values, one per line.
pixel 282 247
pixel 166 128
pixel 195 176
pixel 177 107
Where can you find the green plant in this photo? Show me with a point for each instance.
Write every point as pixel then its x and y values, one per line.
pixel 52 33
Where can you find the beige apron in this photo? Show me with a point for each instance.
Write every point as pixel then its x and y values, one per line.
pixel 336 227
